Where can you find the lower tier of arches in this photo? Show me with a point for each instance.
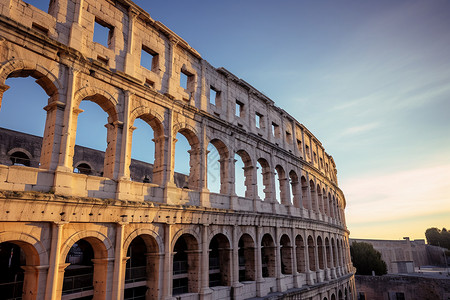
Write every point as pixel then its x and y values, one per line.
pixel 59 248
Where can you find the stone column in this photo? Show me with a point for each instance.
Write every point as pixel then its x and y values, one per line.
pixel 237 286
pixel 103 278
pixel 205 292
pixel 171 81
pixel 278 258
pixel 118 276
pixel 332 265
pixel 259 279
pixel 76 30
pixel 69 126
pixel 55 261
pixel 127 134
pixel 285 195
pixel 129 58
pixel 52 134
pixel 168 264
pixel 32 282
pixel 294 259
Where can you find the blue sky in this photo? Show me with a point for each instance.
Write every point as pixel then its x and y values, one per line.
pixel 370 79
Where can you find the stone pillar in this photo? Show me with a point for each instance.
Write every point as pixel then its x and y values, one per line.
pixel 69 126
pixel 33 275
pixel 205 292
pixel 118 276
pixel 130 56
pixel 127 134
pixel 285 195
pixel 259 279
pixel 52 134
pixel 168 264
pixel 294 259
pixel 250 182
pixel 112 153
pixel 51 288
pixel 171 80
pixel 296 194
pixel 278 258
pixel 294 138
pixel 237 286
pixel 76 30
pixel 102 278
pixel 332 265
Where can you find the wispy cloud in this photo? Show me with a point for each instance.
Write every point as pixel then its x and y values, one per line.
pixel 360 128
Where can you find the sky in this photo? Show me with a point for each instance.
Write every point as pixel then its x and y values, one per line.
pixel 370 79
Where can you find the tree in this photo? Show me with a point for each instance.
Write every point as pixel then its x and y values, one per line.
pixel 366 259
pixel 438 237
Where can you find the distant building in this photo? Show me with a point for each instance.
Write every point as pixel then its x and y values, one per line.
pixel 402 256
pixel 410 272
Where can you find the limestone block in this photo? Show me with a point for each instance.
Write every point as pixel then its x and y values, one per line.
pixel 25 175
pixel 3 173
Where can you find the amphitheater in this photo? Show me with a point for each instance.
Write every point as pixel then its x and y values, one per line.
pixel 76 224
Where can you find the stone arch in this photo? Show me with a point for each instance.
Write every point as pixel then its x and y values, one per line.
pixel 311 254
pixel 188 231
pixel 144 231
pixel 101 97
pixel 325 202
pixel 102 245
pixel 219 261
pixel 268 256
pixel 267 175
pixel 248 173
pixel 300 254
pixel 156 122
pixel 222 231
pixel 334 251
pixel 195 153
pixel 284 185
pixel 305 193
pixel 20 156
pixel 286 254
pixel 295 189
pixel 320 252
pixel 320 198
pixel 81 163
pixel 224 162
pixel 32 247
pixel 52 87
pixel 328 252
pixel 246 258
pixel 143 265
pixel 109 104
pixel 313 192
pixel 24 68
pixel 186 264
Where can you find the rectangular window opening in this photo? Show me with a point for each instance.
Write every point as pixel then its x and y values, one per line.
pixel 258 120
pixel 213 95
pixel 187 81
pixel 288 137
pixel 149 59
pixel 275 130
pixel 103 33
pixel 239 109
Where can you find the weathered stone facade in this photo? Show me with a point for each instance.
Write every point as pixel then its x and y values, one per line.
pixel 105 236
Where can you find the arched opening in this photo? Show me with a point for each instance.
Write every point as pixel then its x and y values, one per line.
pixel 219 261
pixel 286 254
pixel 12 259
pixel 217 167
pixel 278 187
pixel 142 269
pixel 264 180
pixel 340 297
pixel 295 190
pixel 268 256
pixel 320 253
pixel 246 255
pixel 147 150
pixel 345 294
pixel 320 199
pixel 333 248
pixel 330 206
pixel 305 193
pixel 325 203
pixel 333 297
pixel 29 94
pixel 187 149
pixel 300 252
pixel 19 158
pixel 96 116
pixel 83 168
pixel 283 186
pixel 243 174
pixel 79 275
pixel 311 255
pixel 185 265
pixel 328 252
pixel 313 191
